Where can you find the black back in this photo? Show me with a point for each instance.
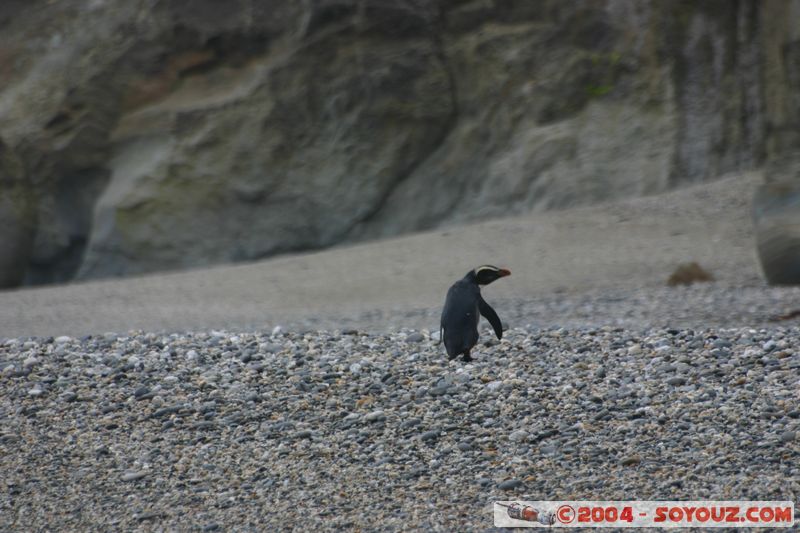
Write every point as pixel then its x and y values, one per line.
pixel 461 314
pixel 460 317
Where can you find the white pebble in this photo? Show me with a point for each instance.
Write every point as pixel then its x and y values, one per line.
pixel 63 339
pixel 518 436
pixel 494 385
pixel 374 415
pixel 191 355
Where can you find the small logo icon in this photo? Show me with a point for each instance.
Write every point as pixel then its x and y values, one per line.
pixel 529 514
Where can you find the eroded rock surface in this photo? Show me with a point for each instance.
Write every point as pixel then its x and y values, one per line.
pixel 170 134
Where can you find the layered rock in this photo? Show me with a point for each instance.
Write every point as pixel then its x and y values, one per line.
pixel 168 134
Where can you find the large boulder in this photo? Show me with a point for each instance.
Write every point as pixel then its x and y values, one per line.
pixel 776 213
pixel 171 134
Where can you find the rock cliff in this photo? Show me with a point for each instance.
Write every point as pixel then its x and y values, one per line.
pixel 162 134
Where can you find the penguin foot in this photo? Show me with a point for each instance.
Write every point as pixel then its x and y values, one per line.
pixel 467 357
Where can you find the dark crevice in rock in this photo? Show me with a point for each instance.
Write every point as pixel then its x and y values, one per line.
pixel 18 216
pixel 327 14
pixel 439 46
pixel 60 267
pixel 436 29
pixel 75 195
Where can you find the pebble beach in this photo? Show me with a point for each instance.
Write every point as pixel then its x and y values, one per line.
pixel 357 430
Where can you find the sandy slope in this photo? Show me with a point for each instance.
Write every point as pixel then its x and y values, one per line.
pixel 634 243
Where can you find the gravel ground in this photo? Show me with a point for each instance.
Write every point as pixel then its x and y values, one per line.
pixel 337 430
pixel 700 305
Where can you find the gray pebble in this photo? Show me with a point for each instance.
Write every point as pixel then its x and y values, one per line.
pixel 430 435
pixel 411 422
pixel 509 484
pixel 631 460
pixel 68 397
pixel 518 436
pixel 415 337
pixel 548 449
pixel 375 416
pixel 133 476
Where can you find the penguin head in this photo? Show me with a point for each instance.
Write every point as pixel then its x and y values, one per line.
pixel 485 274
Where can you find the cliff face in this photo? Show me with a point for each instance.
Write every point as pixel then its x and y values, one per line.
pixel 160 134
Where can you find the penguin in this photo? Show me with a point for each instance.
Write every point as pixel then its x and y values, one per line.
pixel 459 324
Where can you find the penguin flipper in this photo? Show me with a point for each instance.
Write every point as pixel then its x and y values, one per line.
pixel 490 315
